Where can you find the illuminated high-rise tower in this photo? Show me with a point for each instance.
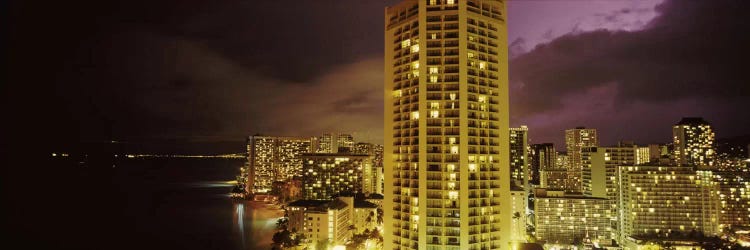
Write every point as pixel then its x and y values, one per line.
pixel 575 140
pixel 446 125
pixel 519 154
pixel 693 142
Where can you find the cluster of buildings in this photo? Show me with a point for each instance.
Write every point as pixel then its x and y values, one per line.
pixel 454 175
pixel 627 196
pixel 330 185
pixel 312 167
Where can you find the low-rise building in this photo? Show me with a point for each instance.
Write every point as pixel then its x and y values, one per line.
pixel 565 219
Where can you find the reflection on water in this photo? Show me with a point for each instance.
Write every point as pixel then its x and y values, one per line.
pixel 255 223
pixel 186 202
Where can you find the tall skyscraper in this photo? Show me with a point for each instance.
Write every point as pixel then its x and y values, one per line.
pixel 542 156
pixel 274 158
pixel 575 140
pixel 519 166
pixel 693 142
pixel 446 125
pixel 344 143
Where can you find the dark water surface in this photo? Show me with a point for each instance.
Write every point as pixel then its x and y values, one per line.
pixel 154 203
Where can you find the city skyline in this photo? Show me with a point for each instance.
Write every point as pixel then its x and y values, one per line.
pixel 193 78
pixel 379 124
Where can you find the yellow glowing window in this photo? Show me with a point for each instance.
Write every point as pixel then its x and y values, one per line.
pixel 415 65
pixel 452 140
pixel 454 149
pixel 451 2
pixel 405 43
pixel 453 96
pixel 471 55
pixel 482 99
pixel 397 93
pixel 434 114
pixel 415 48
pixel 434 70
pixel 472 167
pixel 433 79
pixel 471 38
pixel 481 65
pixel 452 177
pixel 415 73
pixel 433 36
pixel 434 105
pixel 433 2
pixel 451 167
pixel 415 115
pixel 453 195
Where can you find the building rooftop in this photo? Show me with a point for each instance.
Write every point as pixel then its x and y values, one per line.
pixel 322 155
pixel 364 204
pixel 376 196
pixel 307 203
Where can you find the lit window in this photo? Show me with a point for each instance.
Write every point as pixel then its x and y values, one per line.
pixel 433 79
pixel 471 55
pixel 481 65
pixel 415 115
pixel 433 2
pixel 397 93
pixel 452 140
pixel 433 35
pixel 434 105
pixel 453 195
pixel 471 38
pixel 454 149
pixel 405 43
pixel 482 99
pixel 415 48
pixel 415 73
pixel 434 114
pixel 453 96
pixel 433 70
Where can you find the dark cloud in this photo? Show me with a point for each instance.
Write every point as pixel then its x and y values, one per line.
pixel 103 70
pixel 695 50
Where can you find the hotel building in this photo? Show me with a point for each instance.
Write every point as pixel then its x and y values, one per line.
pixel 519 166
pixel 666 201
pixel 274 158
pixel 328 175
pixel 446 125
pixel 693 142
pixel 564 219
pixel 541 156
pixel 575 140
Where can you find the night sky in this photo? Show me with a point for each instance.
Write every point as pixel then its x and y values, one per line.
pixel 221 70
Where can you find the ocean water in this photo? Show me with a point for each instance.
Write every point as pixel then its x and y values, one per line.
pixel 141 203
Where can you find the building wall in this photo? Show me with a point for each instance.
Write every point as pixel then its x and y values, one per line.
pixel 541 156
pixel 565 220
pixel 575 140
pixel 274 158
pixel 666 200
pixel 328 175
pixel 519 166
pixel 693 142
pixel 519 200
